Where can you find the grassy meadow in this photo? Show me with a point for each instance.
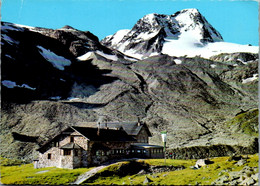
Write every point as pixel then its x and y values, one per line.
pixel 26 174
pixel 203 176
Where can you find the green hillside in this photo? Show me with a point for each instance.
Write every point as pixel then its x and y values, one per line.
pixel 245 122
pixel 222 170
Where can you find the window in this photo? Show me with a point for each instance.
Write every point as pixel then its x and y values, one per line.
pixel 67 152
pixel 76 152
pixel 55 144
pixel 49 156
pixel 71 139
pixel 100 153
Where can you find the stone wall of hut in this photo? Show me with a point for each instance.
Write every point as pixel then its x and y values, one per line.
pixel 55 157
pixel 111 151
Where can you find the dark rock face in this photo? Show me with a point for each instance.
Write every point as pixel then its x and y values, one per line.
pixel 78 42
pixel 235 57
pixel 24 62
pixel 45 87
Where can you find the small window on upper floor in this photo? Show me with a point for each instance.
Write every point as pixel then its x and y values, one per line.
pixel 71 139
pixel 49 156
pixel 67 152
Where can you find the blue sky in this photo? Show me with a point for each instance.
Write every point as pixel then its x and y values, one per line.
pixel 237 21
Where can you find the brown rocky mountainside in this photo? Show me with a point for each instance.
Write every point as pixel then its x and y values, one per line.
pixel 46 86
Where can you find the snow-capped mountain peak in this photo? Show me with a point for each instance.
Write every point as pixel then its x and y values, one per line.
pixel 117 37
pixel 185 32
pixel 148 35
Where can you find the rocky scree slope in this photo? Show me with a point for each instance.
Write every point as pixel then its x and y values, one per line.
pixel 48 82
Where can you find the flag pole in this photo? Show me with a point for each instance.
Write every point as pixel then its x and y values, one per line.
pixel 164 138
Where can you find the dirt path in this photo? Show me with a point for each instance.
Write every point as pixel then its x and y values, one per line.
pixel 92 172
pixel 88 174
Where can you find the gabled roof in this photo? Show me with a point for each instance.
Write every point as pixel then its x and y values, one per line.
pixel 104 134
pixel 131 128
pixel 93 135
pixel 68 129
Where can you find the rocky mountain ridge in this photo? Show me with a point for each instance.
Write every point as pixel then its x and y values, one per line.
pixel 54 78
pixel 149 33
pixel 185 32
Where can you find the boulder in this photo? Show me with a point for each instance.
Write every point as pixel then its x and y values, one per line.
pixel 147 180
pixel 235 157
pixel 255 177
pixel 241 162
pixel 248 181
pixel 202 162
pixel 142 172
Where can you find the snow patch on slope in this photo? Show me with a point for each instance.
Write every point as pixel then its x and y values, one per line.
pixel 133 53
pixel 17 27
pixel 213 66
pixel 178 61
pixel 9 40
pixel 58 62
pixel 187 46
pixel 130 59
pixel 107 56
pixel 24 26
pixel 247 80
pixel 11 84
pixel 9 56
pixel 85 57
pixel 9 26
pixel 118 36
pixel 88 56
pixel 55 98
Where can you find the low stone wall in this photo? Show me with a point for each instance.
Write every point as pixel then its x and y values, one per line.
pixel 200 152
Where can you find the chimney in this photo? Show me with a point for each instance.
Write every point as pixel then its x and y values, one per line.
pixel 138 122
pixel 98 126
pixel 106 125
